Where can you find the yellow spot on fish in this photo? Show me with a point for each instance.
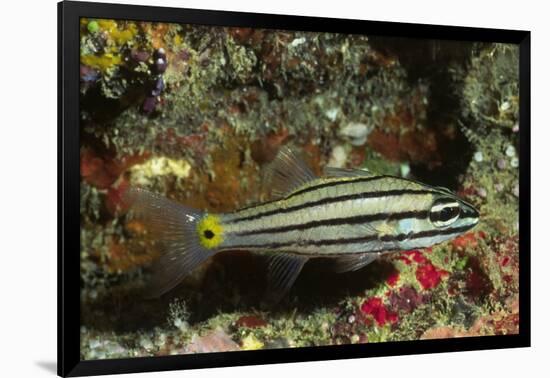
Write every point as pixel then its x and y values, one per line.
pixel 385 229
pixel 210 231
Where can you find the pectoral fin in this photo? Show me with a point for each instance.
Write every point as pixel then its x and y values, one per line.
pixel 353 262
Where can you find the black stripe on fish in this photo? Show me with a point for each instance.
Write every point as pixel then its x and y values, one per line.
pixel 361 179
pixel 335 183
pixel 314 187
pixel 358 219
pixel 360 239
pixel 329 200
pixel 426 234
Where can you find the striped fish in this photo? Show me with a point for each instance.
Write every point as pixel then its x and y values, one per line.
pixel 349 215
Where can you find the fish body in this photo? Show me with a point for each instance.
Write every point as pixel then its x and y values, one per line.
pixel 345 215
pixel 351 216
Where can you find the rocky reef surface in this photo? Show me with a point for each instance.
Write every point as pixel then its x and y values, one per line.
pixel 195 112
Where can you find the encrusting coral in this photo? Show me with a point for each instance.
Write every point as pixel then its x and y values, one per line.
pixel 195 113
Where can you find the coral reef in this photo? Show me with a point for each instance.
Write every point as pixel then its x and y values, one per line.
pixel 195 112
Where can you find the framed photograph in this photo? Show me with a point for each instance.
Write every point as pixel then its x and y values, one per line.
pixel 241 188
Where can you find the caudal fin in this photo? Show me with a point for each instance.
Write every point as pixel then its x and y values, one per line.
pixel 175 227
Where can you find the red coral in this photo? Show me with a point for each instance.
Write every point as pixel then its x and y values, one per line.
pixel 250 322
pixel 417 257
pixel 505 261
pixel 466 240
pixel 426 273
pixel 115 197
pixel 414 255
pixel 94 170
pixel 392 317
pixel 404 258
pixel 393 278
pixel 467 192
pixel 375 308
pixel 102 172
pixel 429 276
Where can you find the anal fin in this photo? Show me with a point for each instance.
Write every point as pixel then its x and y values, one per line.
pixel 283 269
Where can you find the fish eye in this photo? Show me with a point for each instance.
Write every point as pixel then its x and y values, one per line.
pixel 444 212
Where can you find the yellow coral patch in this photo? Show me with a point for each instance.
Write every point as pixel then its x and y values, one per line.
pixel 250 342
pixel 102 62
pixel 210 231
pixel 119 35
pixel 177 40
pixel 145 174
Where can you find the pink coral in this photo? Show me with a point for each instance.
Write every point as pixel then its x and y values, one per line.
pixel 374 307
pixel 429 276
pixel 393 278
pixel 467 240
pixel 413 256
pixel 417 257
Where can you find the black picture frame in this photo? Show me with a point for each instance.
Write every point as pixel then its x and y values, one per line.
pixel 69 13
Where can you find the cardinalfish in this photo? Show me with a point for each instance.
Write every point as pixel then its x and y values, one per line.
pixel 348 215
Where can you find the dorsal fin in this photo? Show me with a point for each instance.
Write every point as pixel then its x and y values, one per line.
pixel 443 189
pixel 287 172
pixel 346 172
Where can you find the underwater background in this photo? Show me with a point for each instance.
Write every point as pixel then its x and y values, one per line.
pixel 195 113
